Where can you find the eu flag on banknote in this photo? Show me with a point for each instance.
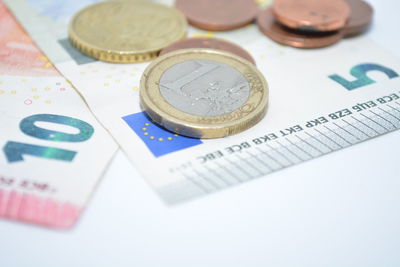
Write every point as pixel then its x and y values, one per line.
pixel 158 140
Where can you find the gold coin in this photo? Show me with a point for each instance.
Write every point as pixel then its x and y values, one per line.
pixel 203 93
pixel 126 31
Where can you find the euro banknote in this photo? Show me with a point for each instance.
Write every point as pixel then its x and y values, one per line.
pixel 53 149
pixel 321 101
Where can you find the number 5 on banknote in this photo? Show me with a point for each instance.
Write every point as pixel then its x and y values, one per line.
pixel 360 73
pixel 14 151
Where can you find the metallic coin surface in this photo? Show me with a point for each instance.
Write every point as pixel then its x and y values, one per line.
pixel 218 90
pixel 312 15
pixel 211 43
pixel 300 39
pixel 203 93
pixel 218 15
pixel 126 31
pixel 360 18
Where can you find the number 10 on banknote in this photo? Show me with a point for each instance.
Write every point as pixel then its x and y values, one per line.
pixel 50 159
pixel 15 150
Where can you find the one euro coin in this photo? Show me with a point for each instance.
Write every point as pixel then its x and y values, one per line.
pixel 203 93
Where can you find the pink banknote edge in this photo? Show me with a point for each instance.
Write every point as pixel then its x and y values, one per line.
pixel 38 210
pixel 19 55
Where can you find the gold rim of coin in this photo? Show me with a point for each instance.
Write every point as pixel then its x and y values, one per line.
pixel 126 31
pixel 183 123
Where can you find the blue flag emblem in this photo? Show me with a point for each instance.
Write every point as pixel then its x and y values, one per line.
pixel 158 140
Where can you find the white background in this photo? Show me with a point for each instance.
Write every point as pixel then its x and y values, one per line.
pixel 338 210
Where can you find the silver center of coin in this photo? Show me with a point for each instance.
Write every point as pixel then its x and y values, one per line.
pixel 204 87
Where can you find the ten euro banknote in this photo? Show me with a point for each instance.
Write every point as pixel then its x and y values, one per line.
pixel 53 149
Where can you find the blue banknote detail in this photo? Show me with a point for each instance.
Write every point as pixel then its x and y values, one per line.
pixel 77 56
pixel 158 140
pixel 58 10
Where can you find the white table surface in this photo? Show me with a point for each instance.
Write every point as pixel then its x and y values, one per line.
pixel 339 210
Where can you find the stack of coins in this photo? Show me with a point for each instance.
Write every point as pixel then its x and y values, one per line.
pixel 197 92
pixel 202 87
pixel 314 23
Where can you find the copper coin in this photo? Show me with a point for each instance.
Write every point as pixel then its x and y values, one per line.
pixel 360 18
pixel 312 15
pixel 218 15
pixel 212 43
pixel 283 35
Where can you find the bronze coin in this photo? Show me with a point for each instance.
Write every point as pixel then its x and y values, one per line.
pixel 212 43
pixel 360 18
pixel 218 15
pixel 300 39
pixel 312 15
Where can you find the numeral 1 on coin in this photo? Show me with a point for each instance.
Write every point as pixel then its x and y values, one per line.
pixel 202 70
